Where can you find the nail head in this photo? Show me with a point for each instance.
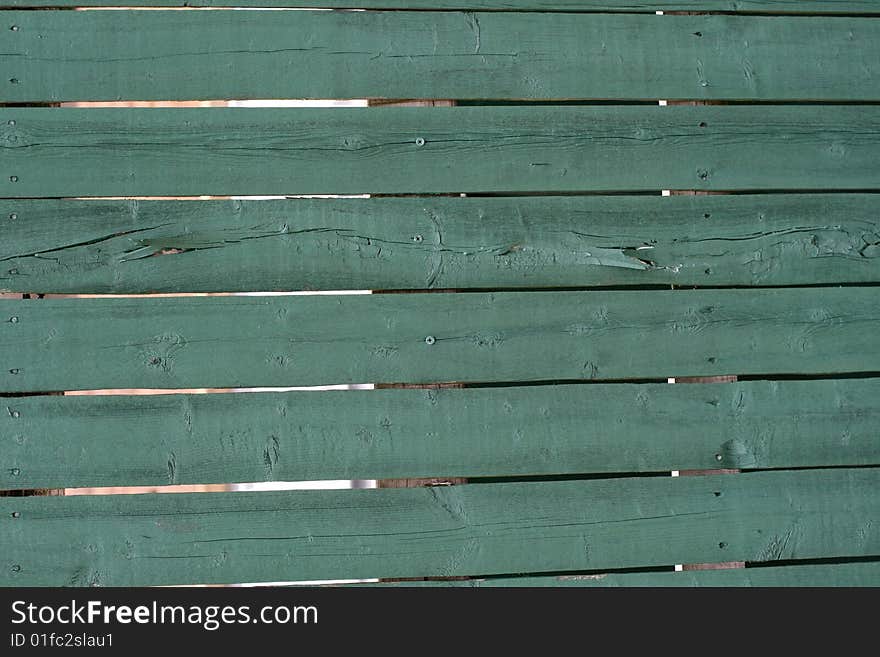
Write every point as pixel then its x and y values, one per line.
pixel 13 216
pixel 15 472
pixel 718 457
pixel 14 320
pixel 13 178
pixel 16 514
pixel 16 568
pixel 417 238
pixel 16 414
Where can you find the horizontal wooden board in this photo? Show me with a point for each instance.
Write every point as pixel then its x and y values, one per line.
pixel 98 246
pixel 842 574
pixel 860 7
pixel 66 56
pixel 476 529
pixel 50 152
pixel 58 442
pixel 70 344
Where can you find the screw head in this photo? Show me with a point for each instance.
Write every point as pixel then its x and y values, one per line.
pixel 430 340
pixel 14 371
pixel 13 319
pixel 15 472
pixel 417 238
pixel 420 141
pixel 13 178
pixel 13 80
pixel 16 568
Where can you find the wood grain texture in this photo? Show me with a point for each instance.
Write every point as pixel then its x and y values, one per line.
pixel 475 529
pixel 72 344
pixel 94 246
pixel 543 430
pixel 860 7
pixel 843 574
pixel 51 152
pixel 78 56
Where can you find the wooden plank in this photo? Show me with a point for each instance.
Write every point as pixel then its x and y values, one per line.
pixel 842 574
pixel 94 246
pixel 442 434
pixel 475 529
pixel 51 152
pixel 72 344
pixel 77 56
pixel 859 7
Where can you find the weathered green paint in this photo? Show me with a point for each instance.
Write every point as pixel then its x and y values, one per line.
pixel 51 152
pixel 130 246
pixel 843 574
pixel 57 442
pixel 447 531
pixel 862 7
pixel 69 344
pixel 156 55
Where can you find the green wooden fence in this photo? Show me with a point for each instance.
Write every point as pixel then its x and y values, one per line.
pixel 547 280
